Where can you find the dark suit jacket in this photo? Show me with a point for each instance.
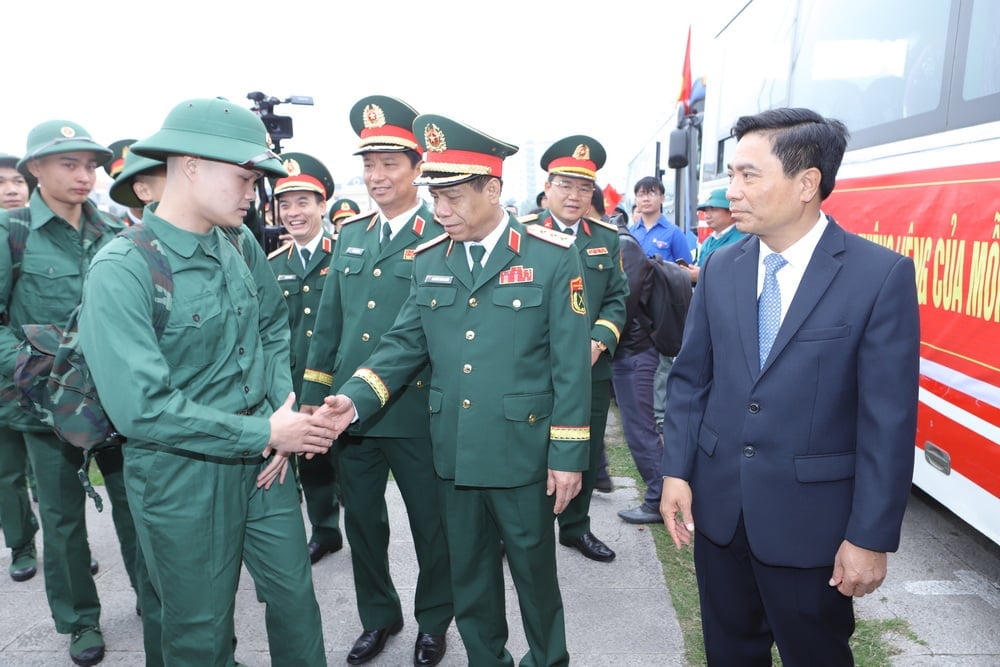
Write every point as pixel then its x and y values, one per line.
pixel 817 446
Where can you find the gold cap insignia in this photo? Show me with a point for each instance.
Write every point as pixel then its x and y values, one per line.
pixel 434 138
pixel 582 152
pixel 67 131
pixel 374 116
pixel 344 206
pixel 292 167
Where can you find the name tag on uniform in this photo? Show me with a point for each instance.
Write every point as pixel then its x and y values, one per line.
pixel 438 280
pixel 287 276
pixel 597 251
pixel 354 251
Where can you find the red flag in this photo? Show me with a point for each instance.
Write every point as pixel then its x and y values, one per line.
pixel 685 92
pixel 611 199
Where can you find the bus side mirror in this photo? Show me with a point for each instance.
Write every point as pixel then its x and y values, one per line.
pixel 677 158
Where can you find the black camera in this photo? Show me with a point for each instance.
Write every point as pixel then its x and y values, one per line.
pixel 278 127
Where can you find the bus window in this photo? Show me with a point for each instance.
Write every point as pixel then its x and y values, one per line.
pixel 982 69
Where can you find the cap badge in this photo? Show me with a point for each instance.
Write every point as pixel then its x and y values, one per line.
pixel 374 116
pixel 434 138
pixel 292 167
pixel 582 152
pixel 67 131
pixel 344 206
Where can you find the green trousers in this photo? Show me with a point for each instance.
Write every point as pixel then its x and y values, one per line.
pixel 69 585
pixel 320 486
pixel 198 519
pixel 364 464
pixel 19 523
pixel 476 520
pixel 575 519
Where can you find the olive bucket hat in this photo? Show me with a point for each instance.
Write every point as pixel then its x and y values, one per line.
pixel 216 129
pixel 60 136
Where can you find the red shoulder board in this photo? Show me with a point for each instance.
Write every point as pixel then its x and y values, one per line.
pixel 514 241
pixel 418 226
pixel 586 227
pixel 327 245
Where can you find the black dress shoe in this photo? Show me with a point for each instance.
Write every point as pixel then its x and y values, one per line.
pixel 591 547
pixel 371 643
pixel 317 550
pixel 429 649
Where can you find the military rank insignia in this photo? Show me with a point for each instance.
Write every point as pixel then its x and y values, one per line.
pixel 577 302
pixel 409 254
pixel 325 270
pixel 516 274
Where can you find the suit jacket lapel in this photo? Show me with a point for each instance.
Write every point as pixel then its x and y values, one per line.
pixel 745 276
pixel 498 259
pixel 458 264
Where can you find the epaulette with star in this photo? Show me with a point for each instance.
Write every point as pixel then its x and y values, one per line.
pixel 528 219
pixel 359 216
pixel 430 244
pixel 550 235
pixel 280 250
pixel 606 225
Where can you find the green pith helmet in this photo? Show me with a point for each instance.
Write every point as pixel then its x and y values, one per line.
pixel 217 129
pixel 384 124
pixel 578 156
pixel 60 136
pixel 304 173
pixel 10 161
pixel 456 153
pixel 343 208
pixel 121 190
pixel 717 199
pixel 119 149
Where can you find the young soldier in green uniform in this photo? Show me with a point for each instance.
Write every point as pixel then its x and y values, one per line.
pixel 19 522
pixel 572 165
pixel 341 210
pixel 208 397
pixel 301 266
pixel 65 232
pixel 369 281
pixel 498 310
pixel 138 181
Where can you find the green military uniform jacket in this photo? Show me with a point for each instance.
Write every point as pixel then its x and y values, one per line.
pixel 509 355
pixel 364 292
pixel 302 288
pixel 604 281
pixel 50 284
pixel 224 349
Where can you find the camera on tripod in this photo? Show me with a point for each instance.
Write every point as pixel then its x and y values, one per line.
pixel 279 127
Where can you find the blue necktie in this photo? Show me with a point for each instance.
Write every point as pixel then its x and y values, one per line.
pixel 769 306
pixel 477 252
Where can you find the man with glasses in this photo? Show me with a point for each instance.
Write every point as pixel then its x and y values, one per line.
pixel 572 165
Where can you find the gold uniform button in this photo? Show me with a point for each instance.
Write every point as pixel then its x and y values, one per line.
pixel 516 303
pixel 307 311
pixel 466 404
pixel 473 302
pixel 532 419
pixel 469 335
pixel 347 270
pixel 365 337
pixel 600 267
pixel 420 384
pixel 286 292
pixel 371 305
pixel 434 302
pixel 467 368
pixel 305 288
pixel 377 272
pixel 309 333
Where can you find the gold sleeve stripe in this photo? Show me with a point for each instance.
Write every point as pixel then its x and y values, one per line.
pixel 610 325
pixel 375 382
pixel 318 377
pixel 569 433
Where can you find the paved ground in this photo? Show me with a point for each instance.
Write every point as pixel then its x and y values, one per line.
pixel 604 626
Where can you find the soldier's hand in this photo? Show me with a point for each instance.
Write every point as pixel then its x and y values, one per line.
pixel 340 410
pixel 298 433
pixel 676 499
pixel 275 469
pixel 565 485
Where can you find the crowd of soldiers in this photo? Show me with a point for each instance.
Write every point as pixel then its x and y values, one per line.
pixel 460 349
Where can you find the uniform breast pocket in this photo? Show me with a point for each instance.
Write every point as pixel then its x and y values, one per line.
pixel 40 285
pixel 403 270
pixel 194 331
pixel 518 297
pixel 348 265
pixel 598 262
pixel 436 296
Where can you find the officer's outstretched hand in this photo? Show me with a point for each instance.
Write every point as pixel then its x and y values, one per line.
pixel 340 410
pixel 299 433
pixel 565 485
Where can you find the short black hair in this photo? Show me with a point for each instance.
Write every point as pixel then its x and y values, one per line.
pixel 649 184
pixel 801 139
pixel 597 200
pixel 538 198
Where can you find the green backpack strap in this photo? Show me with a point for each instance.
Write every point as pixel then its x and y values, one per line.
pixel 17 238
pixel 159 269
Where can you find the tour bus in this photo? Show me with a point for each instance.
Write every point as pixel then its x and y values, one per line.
pixel 918 86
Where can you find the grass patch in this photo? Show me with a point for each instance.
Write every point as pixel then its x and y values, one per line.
pixel 871 640
pixel 96 478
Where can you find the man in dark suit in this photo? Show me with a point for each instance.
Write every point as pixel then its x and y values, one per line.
pixel 791 418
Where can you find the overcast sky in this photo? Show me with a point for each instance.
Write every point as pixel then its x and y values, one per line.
pixel 518 70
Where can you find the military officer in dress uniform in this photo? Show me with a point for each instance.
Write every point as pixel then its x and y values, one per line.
pixel 208 408
pixel 341 210
pixel 369 281
pixel 572 165
pixel 301 266
pixel 498 310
